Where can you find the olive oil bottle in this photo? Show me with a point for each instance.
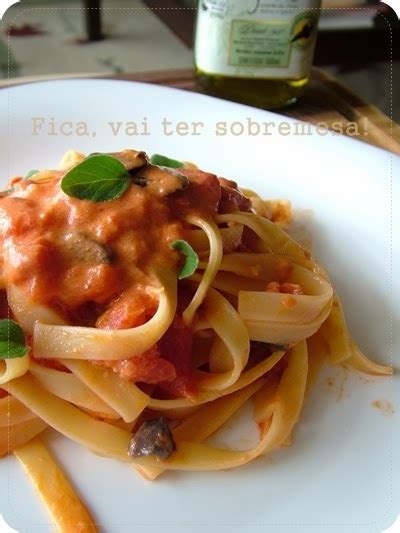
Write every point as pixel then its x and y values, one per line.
pixel 258 52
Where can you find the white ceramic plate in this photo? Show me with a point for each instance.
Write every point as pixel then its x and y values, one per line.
pixel 342 471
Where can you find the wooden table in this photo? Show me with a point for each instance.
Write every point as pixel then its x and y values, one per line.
pixel 326 101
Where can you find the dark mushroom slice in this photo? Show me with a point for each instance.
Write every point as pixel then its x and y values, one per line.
pixel 85 250
pixel 270 346
pixel 260 350
pixel 152 438
pixel 161 181
pixel 132 159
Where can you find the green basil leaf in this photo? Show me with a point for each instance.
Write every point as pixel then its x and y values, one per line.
pixel 191 258
pixel 30 174
pixel 12 340
pixel 163 161
pixel 98 178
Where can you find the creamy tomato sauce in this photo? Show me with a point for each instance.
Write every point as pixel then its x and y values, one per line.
pixel 95 262
pixel 64 252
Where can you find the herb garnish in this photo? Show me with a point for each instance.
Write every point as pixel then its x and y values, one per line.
pixel 191 258
pixel 12 340
pixel 98 178
pixel 163 161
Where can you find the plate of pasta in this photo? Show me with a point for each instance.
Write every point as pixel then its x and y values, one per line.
pixel 208 312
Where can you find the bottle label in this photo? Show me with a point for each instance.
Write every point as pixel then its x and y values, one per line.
pixel 256 38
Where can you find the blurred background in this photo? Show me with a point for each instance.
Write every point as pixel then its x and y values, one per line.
pixel 359 44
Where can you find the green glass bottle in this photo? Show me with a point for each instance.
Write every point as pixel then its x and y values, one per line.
pixel 258 52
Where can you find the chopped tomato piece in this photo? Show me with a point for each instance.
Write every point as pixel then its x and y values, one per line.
pixel 273 286
pixel 181 387
pixel 148 367
pixel 4 309
pixel 169 363
pixel 176 346
pixel 133 308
